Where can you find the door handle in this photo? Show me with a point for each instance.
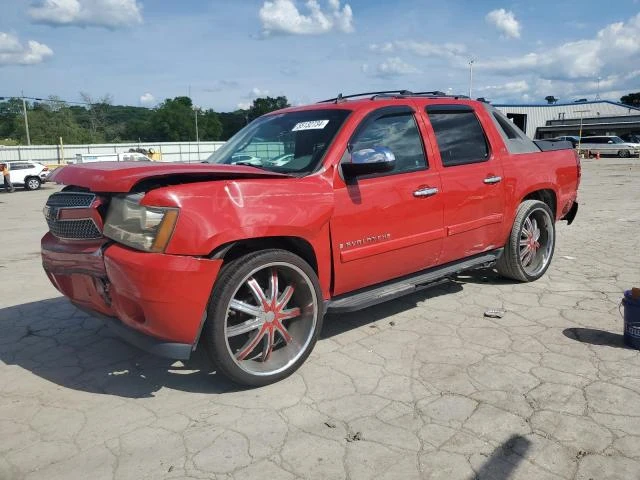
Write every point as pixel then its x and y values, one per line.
pixel 425 192
pixel 492 180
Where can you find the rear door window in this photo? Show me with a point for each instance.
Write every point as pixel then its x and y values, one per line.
pixel 460 136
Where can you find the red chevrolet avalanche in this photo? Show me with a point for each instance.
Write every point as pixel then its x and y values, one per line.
pixel 330 207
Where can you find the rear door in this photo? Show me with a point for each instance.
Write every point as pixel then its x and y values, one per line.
pixel 387 225
pixel 472 186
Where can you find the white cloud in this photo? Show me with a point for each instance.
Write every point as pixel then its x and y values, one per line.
pixel 394 67
pixel 257 92
pixel 423 49
pixel 245 105
pixel 147 99
pixel 509 88
pixel 614 50
pixel 14 52
pixel 284 17
pixel 101 13
pixel 505 21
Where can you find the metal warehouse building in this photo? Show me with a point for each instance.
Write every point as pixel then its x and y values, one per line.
pixel 600 117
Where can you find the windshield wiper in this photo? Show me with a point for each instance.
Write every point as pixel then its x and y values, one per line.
pixel 249 164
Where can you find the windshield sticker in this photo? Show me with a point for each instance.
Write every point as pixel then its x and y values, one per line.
pixel 312 125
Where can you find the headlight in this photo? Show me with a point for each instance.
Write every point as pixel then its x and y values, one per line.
pixel 137 226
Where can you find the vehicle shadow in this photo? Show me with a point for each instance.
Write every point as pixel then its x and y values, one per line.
pixel 593 336
pixel 504 460
pixel 57 342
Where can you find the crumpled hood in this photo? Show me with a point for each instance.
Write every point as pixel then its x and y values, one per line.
pixel 124 176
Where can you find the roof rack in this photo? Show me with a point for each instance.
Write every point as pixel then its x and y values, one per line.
pixel 392 94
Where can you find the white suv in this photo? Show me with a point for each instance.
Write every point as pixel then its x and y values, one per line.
pixel 29 175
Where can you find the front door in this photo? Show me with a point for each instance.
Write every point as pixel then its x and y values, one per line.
pixel 472 186
pixel 387 225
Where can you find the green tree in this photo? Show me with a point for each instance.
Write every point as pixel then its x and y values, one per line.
pixel 48 122
pixel 232 122
pixel 631 99
pixel 209 125
pixel 173 121
pixel 264 105
pixel 97 115
pixel 10 109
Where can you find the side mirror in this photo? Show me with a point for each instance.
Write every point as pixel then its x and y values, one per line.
pixel 610 141
pixel 369 160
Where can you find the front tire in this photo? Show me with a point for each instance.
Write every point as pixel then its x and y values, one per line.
pixel 624 154
pixel 528 253
pixel 32 183
pixel 264 317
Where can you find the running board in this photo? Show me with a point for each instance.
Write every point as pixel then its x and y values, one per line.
pixel 400 287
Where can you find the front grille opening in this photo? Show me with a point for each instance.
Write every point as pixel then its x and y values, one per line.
pixel 74 229
pixel 83 228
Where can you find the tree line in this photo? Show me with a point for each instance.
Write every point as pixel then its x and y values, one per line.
pixel 99 121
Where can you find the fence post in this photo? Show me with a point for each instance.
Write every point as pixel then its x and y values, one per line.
pixel 61 156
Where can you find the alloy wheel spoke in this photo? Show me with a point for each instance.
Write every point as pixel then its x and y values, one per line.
pixel 244 327
pixel 257 293
pixel 273 286
pixel 528 227
pixel 524 242
pixel 290 313
pixel 285 297
pixel 240 306
pixel 251 344
pixel 269 341
pixel 523 252
pixel 527 258
pixel 282 330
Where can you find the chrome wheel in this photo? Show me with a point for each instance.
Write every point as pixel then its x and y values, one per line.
pixel 536 242
pixel 271 318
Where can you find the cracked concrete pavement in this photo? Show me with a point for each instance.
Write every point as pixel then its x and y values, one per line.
pixel 423 387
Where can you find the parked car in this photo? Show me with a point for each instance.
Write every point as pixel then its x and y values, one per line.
pixel 382 196
pixel 568 138
pixel 30 175
pixel 630 138
pixel 609 145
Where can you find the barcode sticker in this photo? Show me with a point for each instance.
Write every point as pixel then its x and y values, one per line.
pixel 312 125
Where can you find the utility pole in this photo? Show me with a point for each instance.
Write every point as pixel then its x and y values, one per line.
pixel 26 119
pixel 598 94
pixel 471 77
pixel 580 134
pixel 195 111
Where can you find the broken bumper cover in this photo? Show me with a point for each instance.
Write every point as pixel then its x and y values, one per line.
pixel 571 214
pixel 154 301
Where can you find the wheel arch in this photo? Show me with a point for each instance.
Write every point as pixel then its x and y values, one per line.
pixel 296 245
pixel 545 195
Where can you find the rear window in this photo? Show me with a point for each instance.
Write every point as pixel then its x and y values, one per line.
pixel 460 136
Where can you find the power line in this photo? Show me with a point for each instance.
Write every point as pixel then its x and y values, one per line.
pixel 50 100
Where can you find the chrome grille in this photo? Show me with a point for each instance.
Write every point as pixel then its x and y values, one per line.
pixel 82 225
pixel 74 229
pixel 71 200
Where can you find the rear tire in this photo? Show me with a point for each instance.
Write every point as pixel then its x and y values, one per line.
pixel 528 253
pixel 32 183
pixel 264 317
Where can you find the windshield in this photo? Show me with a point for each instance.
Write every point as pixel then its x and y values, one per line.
pixel 617 140
pixel 288 142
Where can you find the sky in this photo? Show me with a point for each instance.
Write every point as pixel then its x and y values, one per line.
pixel 227 53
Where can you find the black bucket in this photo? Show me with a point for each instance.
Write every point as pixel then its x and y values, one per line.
pixel 631 320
